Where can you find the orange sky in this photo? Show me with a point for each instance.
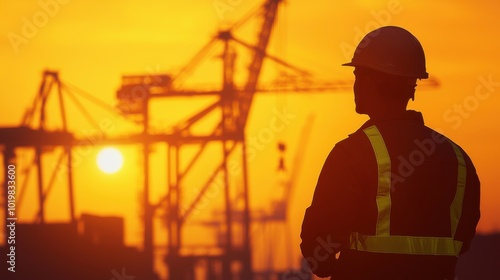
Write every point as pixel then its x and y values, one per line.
pixel 92 43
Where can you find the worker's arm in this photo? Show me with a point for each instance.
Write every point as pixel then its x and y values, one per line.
pixel 328 221
pixel 470 208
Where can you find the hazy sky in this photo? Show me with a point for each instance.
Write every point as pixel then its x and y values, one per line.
pixel 92 43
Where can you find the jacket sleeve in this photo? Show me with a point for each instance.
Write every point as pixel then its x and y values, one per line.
pixel 470 208
pixel 328 221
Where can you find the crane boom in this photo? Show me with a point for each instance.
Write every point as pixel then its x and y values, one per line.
pixel 245 98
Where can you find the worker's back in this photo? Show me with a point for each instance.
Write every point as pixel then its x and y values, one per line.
pixel 424 172
pixel 397 199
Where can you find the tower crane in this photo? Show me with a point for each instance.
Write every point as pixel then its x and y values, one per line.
pixel 234 105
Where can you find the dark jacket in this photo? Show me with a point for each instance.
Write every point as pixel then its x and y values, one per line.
pixel 423 185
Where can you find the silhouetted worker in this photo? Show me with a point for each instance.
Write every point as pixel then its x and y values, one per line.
pixel 396 198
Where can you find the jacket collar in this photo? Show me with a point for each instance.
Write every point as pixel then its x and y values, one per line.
pixel 408 115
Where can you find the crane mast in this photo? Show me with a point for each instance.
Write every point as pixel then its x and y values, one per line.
pixel 235 106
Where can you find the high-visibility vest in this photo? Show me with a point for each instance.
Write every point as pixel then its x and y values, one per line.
pixel 383 241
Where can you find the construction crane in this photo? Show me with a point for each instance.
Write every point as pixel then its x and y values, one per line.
pixel 38 244
pixel 33 133
pixel 234 106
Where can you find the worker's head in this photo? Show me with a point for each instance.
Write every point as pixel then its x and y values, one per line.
pixel 375 91
pixel 387 62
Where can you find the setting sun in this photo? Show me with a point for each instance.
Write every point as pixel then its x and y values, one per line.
pixel 109 160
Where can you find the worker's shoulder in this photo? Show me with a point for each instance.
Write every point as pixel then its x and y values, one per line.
pixel 466 156
pixel 393 134
pixel 353 140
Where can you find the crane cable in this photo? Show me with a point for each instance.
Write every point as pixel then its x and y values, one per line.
pixel 281 95
pixel 96 101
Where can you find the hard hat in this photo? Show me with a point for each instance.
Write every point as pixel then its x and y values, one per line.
pixel 392 50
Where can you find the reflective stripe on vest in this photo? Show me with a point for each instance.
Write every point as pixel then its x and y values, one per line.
pixel 382 241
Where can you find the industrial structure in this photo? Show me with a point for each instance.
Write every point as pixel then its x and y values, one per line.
pixel 224 120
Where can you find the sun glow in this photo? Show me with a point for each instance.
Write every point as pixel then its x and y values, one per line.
pixel 109 160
